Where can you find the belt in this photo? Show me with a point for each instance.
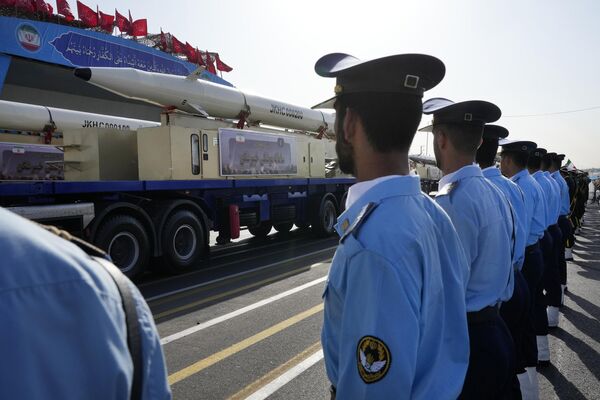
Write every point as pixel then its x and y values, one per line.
pixel 486 314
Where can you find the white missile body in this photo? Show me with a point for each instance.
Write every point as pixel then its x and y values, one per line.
pixel 34 118
pixel 206 98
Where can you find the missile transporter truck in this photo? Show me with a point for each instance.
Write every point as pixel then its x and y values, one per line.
pixel 154 192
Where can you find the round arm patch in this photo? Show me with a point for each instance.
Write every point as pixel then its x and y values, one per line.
pixel 373 359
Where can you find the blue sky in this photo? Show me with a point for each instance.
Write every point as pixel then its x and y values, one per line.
pixel 528 57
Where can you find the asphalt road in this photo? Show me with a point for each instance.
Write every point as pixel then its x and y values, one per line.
pixel 575 345
pixel 250 325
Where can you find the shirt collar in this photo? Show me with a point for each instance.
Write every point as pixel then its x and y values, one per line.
pixel 464 172
pixel 394 185
pixel 519 175
pixel 490 172
pixel 537 173
pixel 360 188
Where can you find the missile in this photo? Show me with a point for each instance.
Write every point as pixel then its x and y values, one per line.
pixel 423 159
pixel 34 118
pixel 196 96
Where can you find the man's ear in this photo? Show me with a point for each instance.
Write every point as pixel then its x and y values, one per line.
pixel 441 138
pixel 350 122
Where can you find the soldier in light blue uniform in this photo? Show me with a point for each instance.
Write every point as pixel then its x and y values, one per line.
pixel 513 164
pixel 559 241
pixel 553 167
pixel 395 320
pixel 62 323
pixel 550 288
pixel 482 217
pixel 516 311
pixel 538 159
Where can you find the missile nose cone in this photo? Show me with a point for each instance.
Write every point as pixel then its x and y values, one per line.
pixel 83 73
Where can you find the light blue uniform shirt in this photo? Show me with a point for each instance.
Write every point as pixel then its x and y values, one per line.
pixel 549 199
pixel 62 325
pixel 517 201
pixel 565 200
pixel 394 302
pixel 555 194
pixel 534 205
pixel 481 216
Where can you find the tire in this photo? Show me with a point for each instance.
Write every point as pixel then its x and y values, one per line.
pixel 183 241
pixel 125 240
pixel 343 202
pixel 261 230
pixel 325 223
pixel 284 227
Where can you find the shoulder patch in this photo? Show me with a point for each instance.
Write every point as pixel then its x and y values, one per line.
pixel 360 218
pixel 373 359
pixel 446 190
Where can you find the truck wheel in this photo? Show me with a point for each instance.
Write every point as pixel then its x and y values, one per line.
pixel 343 202
pixel 183 240
pixel 284 227
pixel 125 240
pixel 327 218
pixel 261 230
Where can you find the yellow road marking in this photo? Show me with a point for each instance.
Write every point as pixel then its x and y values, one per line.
pixel 270 376
pixel 225 294
pixel 229 351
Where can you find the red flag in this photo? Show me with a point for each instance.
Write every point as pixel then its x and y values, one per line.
pixel 163 40
pixel 122 22
pixel 190 53
pixel 106 21
pixel 42 7
pixel 221 66
pixel 176 45
pixel 62 7
pixel 139 28
pixel 25 5
pixel 88 16
pixel 209 63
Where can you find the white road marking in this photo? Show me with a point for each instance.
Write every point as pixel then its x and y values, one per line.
pixel 285 378
pixel 233 314
pixel 185 289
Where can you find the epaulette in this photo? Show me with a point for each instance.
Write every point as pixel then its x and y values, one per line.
pixel 446 190
pixel 359 220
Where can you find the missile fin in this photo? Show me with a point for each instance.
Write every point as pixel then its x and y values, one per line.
pixel 196 74
pixel 197 109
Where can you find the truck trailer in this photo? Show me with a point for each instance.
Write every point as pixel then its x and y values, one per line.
pixel 154 194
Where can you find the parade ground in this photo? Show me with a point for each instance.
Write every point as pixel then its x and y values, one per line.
pixel 574 372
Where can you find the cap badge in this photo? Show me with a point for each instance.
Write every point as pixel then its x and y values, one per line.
pixel 524 148
pixel 338 89
pixel 468 117
pixel 411 81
